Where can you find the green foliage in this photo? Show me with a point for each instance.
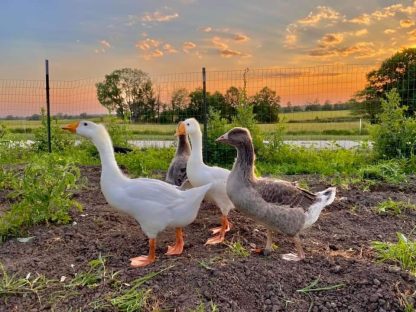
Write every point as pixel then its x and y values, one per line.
pixel 129 93
pixel 237 249
pixel 390 206
pixel 398 71
pixel 3 130
pixel 42 194
pixel 218 153
pixel 395 136
pixel 147 161
pixel 266 105
pixel 14 285
pixel 288 159
pixel 60 140
pixel 403 252
pixel 96 273
pixel 391 171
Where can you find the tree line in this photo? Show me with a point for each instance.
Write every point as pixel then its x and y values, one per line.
pixel 131 95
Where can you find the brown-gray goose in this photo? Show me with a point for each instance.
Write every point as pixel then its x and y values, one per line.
pixel 176 174
pixel 279 205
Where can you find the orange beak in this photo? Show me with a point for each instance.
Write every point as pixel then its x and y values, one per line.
pixel 181 130
pixel 72 127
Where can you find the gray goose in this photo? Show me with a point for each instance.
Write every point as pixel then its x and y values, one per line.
pixel 176 174
pixel 278 205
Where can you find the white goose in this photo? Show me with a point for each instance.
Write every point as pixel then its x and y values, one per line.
pixel 155 204
pixel 199 174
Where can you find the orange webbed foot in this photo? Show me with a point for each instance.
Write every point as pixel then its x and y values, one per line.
pixel 141 261
pixel 174 250
pixel 215 240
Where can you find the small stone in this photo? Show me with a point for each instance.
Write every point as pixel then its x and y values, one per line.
pixel 374 298
pixel 336 269
pixel 376 282
pixel 268 302
pixel 394 269
pixel 275 308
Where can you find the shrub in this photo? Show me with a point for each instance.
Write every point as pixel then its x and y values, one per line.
pixel 395 136
pixel 43 194
pixel 218 153
pixel 60 140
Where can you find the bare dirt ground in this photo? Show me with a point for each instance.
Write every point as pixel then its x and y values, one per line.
pixel 337 248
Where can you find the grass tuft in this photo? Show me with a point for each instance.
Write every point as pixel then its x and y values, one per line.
pixel 403 252
pixel 392 207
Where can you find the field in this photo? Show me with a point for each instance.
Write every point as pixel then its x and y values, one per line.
pixel 340 273
pixel 320 125
pixel 64 248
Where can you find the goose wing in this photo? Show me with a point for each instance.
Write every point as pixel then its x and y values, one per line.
pixel 284 193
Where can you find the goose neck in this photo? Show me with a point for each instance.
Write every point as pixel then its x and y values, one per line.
pixel 196 141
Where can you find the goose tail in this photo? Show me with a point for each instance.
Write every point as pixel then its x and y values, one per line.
pixel 324 198
pixel 197 194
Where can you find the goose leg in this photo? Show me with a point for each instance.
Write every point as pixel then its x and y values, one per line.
pixel 219 238
pixel 178 248
pixel 299 249
pixel 218 229
pixel 145 260
pixel 266 251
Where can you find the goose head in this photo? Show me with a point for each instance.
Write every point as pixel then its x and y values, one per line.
pixel 181 129
pixel 85 128
pixel 190 126
pixel 236 137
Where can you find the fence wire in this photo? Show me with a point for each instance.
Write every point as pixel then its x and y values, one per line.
pixel 314 103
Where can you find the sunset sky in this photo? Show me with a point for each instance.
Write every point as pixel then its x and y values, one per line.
pixel 89 38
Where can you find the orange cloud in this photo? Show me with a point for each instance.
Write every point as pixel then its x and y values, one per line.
pixel 219 43
pixel 361 19
pixel 188 45
pixel 359 50
pixel 412 33
pixel 147 44
pixel 331 39
pixel 229 53
pixel 406 23
pixel 168 48
pixel 389 31
pixel 156 53
pixel 158 17
pixel 241 37
pixel 320 13
pixel 361 32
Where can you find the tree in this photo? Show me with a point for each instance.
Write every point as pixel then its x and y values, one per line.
pixel 129 93
pixel 266 105
pixel 180 102
pixel 398 71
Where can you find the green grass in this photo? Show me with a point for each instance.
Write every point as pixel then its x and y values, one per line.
pixel 238 250
pixel 390 206
pixel 306 126
pixel 403 252
pixel 298 116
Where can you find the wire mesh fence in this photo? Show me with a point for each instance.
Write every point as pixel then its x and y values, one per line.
pixel 315 104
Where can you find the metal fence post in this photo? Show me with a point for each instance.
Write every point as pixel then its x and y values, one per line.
pixel 205 113
pixel 48 107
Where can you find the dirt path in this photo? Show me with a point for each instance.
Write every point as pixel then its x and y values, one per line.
pixel 337 249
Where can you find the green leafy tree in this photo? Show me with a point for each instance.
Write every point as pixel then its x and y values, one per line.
pixel 398 71
pixel 266 105
pixel 395 135
pixel 129 93
pixel 180 101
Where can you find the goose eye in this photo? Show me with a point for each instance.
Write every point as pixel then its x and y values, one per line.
pixel 188 124
pixel 85 124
